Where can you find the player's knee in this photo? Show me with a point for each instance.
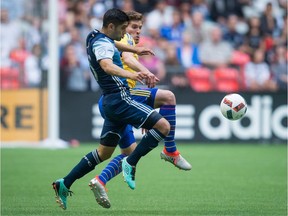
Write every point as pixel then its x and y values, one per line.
pixel 163 126
pixel 110 139
pixel 169 98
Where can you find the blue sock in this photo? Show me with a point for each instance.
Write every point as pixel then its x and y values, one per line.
pixel 149 141
pixel 112 169
pixel 168 112
pixel 86 165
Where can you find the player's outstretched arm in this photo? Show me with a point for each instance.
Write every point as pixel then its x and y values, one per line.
pixel 110 68
pixel 134 64
pixel 138 50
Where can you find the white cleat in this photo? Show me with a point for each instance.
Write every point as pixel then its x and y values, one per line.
pixel 176 160
pixel 100 193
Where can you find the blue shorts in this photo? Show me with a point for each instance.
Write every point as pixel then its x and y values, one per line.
pixel 146 96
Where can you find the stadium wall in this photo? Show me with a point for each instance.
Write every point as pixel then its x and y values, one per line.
pixel 23 115
pixel 198 118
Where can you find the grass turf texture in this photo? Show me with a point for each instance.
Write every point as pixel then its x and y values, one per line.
pixel 225 180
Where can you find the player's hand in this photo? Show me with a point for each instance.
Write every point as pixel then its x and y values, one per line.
pixel 151 80
pixel 139 76
pixel 144 51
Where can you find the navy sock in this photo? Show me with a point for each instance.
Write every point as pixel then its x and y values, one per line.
pixel 149 141
pixel 86 165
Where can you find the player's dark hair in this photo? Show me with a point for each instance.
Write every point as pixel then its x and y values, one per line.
pixel 114 16
pixel 133 15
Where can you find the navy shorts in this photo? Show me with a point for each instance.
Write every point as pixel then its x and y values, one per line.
pixel 146 96
pixel 120 110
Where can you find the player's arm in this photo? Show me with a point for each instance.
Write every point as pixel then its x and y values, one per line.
pixel 110 68
pixel 134 64
pixel 138 50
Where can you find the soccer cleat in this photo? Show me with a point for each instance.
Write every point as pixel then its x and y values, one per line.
pixel 61 192
pixel 128 173
pixel 176 159
pixel 100 193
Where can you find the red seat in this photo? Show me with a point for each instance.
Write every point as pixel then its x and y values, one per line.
pixel 227 79
pixel 199 79
pixel 239 58
pixel 9 78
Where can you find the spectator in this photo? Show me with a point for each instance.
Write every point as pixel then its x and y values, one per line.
pixel 198 28
pixel 9 35
pixel 187 52
pixel 174 32
pixel 200 6
pixel 259 6
pixel 127 5
pixel 281 39
pixel 175 70
pixel 257 74
pixel 19 54
pixel 185 12
pixel 254 38
pixel 268 23
pixel 215 52
pixel 32 69
pixel 221 9
pixel 144 6
pixel 279 67
pixel 152 63
pixel 159 48
pixel 31 31
pixel 161 15
pixel 231 35
pixel 72 76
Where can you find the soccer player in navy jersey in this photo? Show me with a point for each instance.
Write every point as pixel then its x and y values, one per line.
pixel 119 108
pixel 154 97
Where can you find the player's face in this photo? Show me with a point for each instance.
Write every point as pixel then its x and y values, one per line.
pixel 134 29
pixel 119 31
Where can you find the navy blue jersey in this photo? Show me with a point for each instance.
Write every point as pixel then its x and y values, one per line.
pixel 100 46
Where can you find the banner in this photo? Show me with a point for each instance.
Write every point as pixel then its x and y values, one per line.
pixel 198 118
pixel 23 115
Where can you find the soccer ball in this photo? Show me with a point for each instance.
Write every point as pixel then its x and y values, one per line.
pixel 233 106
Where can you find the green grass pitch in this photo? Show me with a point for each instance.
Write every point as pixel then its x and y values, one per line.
pixel 236 179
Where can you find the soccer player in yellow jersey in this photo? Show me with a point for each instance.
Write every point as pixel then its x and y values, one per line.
pixel 156 98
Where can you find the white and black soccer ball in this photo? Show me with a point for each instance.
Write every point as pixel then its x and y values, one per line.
pixel 233 106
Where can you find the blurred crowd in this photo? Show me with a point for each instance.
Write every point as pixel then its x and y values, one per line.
pixel 205 45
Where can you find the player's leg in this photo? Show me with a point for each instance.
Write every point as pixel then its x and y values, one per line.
pixel 110 136
pixel 127 144
pixel 86 165
pixel 139 115
pixel 166 101
pixel 158 127
pixel 109 140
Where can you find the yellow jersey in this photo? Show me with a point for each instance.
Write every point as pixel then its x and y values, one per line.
pixel 128 40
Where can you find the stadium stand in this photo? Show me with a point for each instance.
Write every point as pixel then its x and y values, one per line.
pixel 241 22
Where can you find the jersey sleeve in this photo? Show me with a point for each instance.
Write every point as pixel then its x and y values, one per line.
pixel 103 49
